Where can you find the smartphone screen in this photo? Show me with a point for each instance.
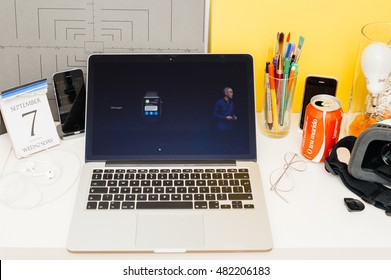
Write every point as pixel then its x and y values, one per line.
pixel 315 85
pixel 71 96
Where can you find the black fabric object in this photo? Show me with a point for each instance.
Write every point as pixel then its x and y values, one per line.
pixel 373 193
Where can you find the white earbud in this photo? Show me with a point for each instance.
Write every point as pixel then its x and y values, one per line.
pixel 49 174
pixel 30 171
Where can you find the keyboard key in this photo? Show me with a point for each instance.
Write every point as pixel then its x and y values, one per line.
pixel 92 205
pixel 234 182
pixel 145 183
pixel 97 171
pixel 179 183
pixel 223 182
pixel 107 197
pixel 192 190
pixel 201 183
pixel 200 205
pixel 103 205
pixel 136 190
pixel 234 196
pixel 94 197
pixel 237 189
pixel 190 183
pixel 98 183
pixel 225 206
pixel 199 197
pixel 214 205
pixel 141 197
pixel 204 190
pixel 164 205
pixel 98 190
pixel 170 190
pixel 130 197
pixel 147 190
pixel 125 190
pixel 123 183
pixel 215 190
pixel 167 183
pixel 109 171
pixel 226 189
pixel 156 183
pixel 119 197
pixel 159 190
pixel 118 176
pixel 115 205
pixel 222 196
pixel 153 197
pixel 129 176
pixel 237 204
pixel 249 206
pixel 176 197
pixel 242 176
pixel 181 190
pixel 212 183
pixel 114 190
pixel 128 205
pixel 112 183
pixel 96 176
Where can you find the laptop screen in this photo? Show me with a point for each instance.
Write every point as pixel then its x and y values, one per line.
pixel 170 107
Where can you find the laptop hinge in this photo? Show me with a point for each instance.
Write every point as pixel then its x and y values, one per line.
pixel 171 163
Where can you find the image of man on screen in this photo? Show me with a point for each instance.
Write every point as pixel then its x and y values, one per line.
pixel 224 111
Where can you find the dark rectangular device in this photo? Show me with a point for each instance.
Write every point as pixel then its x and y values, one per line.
pixel 70 96
pixel 315 85
pixel 165 107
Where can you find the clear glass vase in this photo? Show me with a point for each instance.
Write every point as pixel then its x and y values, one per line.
pixel 370 99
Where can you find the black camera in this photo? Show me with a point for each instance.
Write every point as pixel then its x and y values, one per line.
pixel 370 159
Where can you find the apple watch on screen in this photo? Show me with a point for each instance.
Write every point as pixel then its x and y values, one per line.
pixel 152 106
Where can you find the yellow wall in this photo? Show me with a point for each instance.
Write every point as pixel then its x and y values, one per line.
pixel 331 29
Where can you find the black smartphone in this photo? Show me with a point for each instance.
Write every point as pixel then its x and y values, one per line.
pixel 315 85
pixel 70 94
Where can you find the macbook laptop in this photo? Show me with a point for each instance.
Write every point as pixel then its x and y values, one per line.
pixel 170 156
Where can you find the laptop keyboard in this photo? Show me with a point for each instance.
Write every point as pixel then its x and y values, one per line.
pixel 170 189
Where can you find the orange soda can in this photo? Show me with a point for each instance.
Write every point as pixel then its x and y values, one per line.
pixel 322 124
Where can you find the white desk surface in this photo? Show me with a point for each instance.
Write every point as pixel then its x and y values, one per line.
pixel 315 224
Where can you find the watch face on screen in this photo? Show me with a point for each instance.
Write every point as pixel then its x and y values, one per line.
pixel 152 107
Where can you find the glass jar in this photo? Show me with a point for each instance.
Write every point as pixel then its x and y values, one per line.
pixel 370 99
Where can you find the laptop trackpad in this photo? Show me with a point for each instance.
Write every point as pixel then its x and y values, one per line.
pixel 168 231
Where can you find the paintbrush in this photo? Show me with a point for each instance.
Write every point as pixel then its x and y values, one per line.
pixel 299 48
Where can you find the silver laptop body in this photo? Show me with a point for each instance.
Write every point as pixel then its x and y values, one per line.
pixel 170 160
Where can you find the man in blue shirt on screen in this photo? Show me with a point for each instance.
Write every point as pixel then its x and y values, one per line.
pixel 224 111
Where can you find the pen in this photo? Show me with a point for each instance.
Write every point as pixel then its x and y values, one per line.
pixel 292 74
pixel 284 92
pixel 269 114
pixel 273 96
pixel 279 83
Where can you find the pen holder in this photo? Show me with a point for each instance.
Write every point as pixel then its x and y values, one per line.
pixel 277 106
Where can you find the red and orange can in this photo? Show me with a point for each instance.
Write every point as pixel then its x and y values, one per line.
pixel 322 124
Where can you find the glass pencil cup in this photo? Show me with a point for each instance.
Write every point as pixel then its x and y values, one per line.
pixel 277 106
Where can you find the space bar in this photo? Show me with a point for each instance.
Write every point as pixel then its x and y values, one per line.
pixel 165 205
